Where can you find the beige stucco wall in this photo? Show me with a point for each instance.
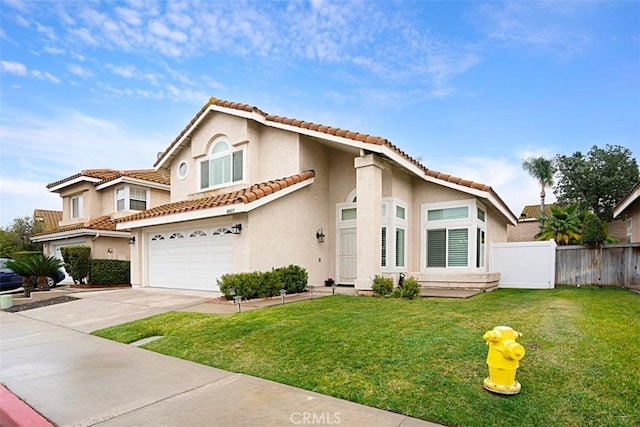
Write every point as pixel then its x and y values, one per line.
pixel 90 202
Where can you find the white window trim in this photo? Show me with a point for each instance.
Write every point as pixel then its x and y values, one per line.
pixel 127 197
pixel 79 198
pixel 180 176
pixel 472 223
pixel 233 148
pixel 392 222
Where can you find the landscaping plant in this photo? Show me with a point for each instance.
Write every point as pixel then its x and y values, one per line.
pixel 382 286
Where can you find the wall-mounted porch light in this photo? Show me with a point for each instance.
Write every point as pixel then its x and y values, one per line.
pixel 132 240
pixel 320 235
pixel 236 229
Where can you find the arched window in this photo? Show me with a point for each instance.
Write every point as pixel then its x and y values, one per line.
pixel 198 233
pixel 158 237
pixel 222 166
pixel 177 236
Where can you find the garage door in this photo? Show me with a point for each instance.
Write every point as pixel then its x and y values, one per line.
pixel 190 258
pixel 57 252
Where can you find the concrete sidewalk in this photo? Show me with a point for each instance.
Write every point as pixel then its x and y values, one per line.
pixel 74 379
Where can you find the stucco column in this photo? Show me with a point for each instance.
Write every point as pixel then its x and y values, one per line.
pixel 369 221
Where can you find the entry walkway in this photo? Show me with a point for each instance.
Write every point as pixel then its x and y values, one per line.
pixel 75 379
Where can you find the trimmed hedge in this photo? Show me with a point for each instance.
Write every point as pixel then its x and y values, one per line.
pixel 76 259
pixel 264 284
pixel 109 272
pixel 25 254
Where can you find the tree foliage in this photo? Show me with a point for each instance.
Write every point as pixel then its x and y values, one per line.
pixel 543 171
pixel 564 225
pixel 17 236
pixel 597 181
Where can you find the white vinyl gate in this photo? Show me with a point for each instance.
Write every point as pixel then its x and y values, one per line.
pixel 527 265
pixel 190 258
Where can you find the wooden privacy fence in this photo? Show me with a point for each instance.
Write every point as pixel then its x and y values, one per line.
pixel 609 265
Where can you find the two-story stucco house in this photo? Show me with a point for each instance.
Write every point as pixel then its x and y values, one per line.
pixel 252 191
pixel 91 201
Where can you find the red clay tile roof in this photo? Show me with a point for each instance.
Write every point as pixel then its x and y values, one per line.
pixel 106 175
pixel 246 195
pixel 366 138
pixel 102 223
pixel 50 219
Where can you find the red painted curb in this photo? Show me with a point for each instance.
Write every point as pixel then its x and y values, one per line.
pixel 15 413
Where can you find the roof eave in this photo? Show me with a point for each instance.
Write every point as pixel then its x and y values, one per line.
pixel 79 233
pixel 74 181
pixel 213 212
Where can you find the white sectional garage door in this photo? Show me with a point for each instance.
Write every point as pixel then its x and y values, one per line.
pixel 190 258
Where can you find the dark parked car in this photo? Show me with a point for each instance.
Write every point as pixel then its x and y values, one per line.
pixel 8 279
pixel 11 280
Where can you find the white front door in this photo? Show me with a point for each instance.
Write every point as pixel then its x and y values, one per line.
pixel 347 256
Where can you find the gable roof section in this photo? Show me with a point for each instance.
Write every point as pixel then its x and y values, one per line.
pixel 365 141
pixel 532 212
pixel 627 201
pixel 103 225
pixel 50 219
pixel 241 197
pixel 101 177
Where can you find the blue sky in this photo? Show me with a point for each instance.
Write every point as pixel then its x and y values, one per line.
pixel 470 88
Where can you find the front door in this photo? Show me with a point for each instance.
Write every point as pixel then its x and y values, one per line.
pixel 347 250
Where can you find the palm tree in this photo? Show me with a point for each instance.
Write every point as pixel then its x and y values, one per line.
pixel 43 267
pixel 564 226
pixel 19 266
pixel 543 170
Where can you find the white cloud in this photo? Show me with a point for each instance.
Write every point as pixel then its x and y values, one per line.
pixel 19 197
pixel 45 76
pixel 13 68
pixel 54 50
pixel 79 71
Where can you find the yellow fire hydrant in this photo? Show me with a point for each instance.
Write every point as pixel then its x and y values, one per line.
pixel 503 360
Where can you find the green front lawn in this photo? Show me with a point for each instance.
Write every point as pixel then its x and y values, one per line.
pixel 426 357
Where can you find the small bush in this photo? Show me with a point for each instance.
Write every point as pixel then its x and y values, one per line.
pixel 594 231
pixel 25 254
pixel 76 260
pixel 264 284
pixel 410 289
pixel 109 272
pixel 382 286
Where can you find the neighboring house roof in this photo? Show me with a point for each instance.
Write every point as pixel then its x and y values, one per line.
pixel 627 201
pixel 97 226
pixel 245 196
pixel 50 219
pixel 104 177
pixel 370 142
pixel 532 212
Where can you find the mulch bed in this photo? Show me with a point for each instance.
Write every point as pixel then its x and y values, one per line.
pixel 41 303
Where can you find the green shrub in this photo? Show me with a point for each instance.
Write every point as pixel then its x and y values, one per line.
pixel 594 231
pixel 292 278
pixel 25 254
pixel 109 272
pixel 410 289
pixel 264 284
pixel 76 260
pixel 382 286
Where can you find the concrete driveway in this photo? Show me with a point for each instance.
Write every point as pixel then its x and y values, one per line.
pixel 74 379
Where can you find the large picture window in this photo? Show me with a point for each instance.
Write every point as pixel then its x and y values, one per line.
pixel 223 166
pixel 454 236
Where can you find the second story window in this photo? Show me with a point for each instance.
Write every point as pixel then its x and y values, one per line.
pixel 76 207
pixel 131 198
pixel 223 166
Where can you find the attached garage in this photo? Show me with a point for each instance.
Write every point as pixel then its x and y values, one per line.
pixel 190 258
